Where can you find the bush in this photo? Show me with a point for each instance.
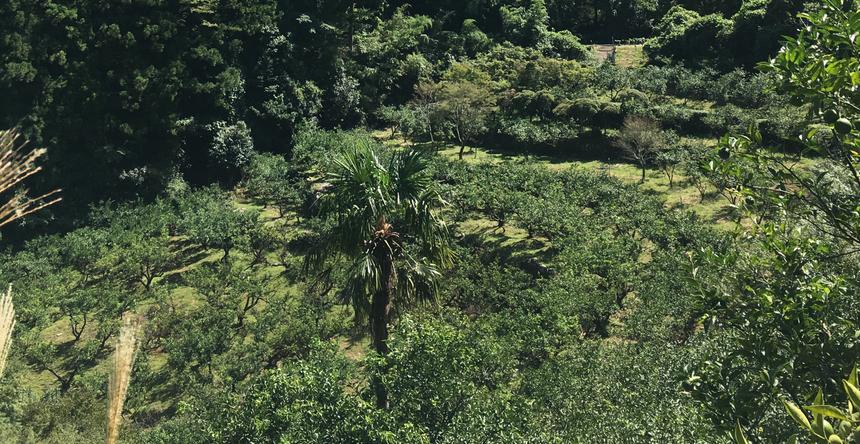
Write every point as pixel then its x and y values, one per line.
pixel 727 118
pixel 314 149
pixel 616 392
pixel 684 120
pixel 687 37
pixel 304 402
pixel 232 147
pixel 634 103
pixel 567 46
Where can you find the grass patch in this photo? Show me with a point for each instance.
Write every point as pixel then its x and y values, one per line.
pixel 630 56
pixel 683 195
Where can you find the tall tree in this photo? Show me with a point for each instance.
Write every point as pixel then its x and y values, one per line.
pixel 383 219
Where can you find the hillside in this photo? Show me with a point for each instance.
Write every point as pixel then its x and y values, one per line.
pixel 256 221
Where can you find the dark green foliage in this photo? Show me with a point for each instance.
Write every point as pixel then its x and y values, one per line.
pixel 724 38
pixel 617 392
pixel 210 220
pixel 126 100
pixel 561 305
pixel 305 402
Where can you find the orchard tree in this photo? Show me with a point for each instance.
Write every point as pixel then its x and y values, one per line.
pixel 271 180
pixel 694 166
pixel 209 220
pixel 669 157
pixel 614 79
pixel 641 139
pixel 383 218
pixel 465 107
pixel 143 248
pixel 423 107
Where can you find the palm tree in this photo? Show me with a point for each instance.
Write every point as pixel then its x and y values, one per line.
pixel 383 219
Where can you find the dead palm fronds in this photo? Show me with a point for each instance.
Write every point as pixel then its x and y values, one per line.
pixel 120 377
pixel 16 165
pixel 7 323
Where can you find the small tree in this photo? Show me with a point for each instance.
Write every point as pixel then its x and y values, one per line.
pixel 423 106
pixel 693 160
pixel 464 106
pixel 614 80
pixel 640 139
pixel 271 180
pixel 669 158
pixel 210 220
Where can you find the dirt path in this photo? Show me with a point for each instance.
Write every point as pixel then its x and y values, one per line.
pixel 603 52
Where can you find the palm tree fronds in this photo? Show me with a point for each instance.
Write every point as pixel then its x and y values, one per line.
pixel 408 170
pixel 376 211
pixel 417 280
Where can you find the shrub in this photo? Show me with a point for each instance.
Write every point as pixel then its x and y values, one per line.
pixel 231 148
pixel 617 392
pixel 567 46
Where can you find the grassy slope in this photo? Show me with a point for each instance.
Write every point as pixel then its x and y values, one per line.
pixel 683 195
pixel 630 56
pixel 627 56
pixel 40 383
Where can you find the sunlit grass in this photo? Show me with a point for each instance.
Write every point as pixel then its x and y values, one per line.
pixel 683 195
pixel 630 56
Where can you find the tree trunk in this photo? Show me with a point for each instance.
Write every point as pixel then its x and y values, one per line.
pixel 352 28
pixel 461 140
pixel 642 180
pixel 379 310
pixel 430 128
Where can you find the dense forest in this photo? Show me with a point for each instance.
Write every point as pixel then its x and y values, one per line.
pixel 480 221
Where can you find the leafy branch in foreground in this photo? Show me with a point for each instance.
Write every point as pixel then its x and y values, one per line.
pixel 819 69
pixel 16 165
pixel 847 429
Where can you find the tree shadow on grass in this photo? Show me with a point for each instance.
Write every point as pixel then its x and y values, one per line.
pixel 493 244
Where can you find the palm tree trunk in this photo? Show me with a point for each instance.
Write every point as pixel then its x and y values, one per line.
pixel 379 311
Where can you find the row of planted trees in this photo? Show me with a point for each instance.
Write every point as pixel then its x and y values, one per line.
pixel 18 164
